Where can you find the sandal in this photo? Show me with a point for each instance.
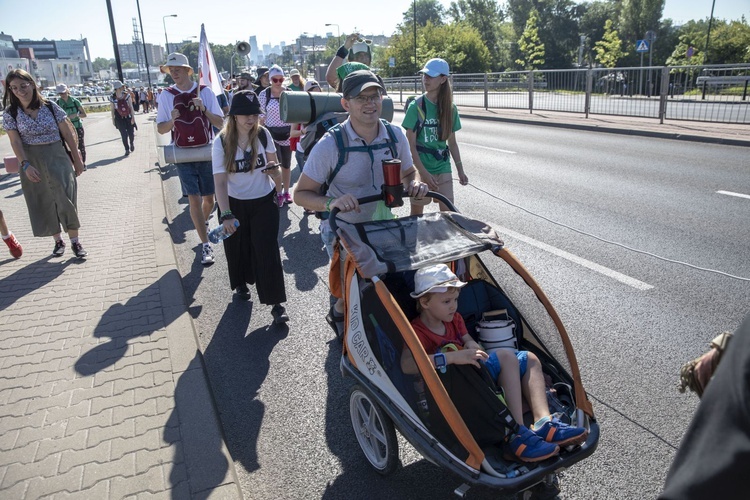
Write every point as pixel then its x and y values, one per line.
pixel 336 322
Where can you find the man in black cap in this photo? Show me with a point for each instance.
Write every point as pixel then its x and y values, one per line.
pixel 362 174
pixel 262 80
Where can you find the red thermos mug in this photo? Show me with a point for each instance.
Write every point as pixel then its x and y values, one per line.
pixel 392 185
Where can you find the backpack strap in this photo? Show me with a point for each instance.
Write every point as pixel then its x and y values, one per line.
pixel 263 137
pixel 342 146
pixel 421 115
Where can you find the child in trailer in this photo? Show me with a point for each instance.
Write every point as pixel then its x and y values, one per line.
pixel 436 289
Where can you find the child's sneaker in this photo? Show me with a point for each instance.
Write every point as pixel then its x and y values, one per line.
pixel 280 200
pixel 287 197
pixel 14 246
pixel 556 432
pixel 528 447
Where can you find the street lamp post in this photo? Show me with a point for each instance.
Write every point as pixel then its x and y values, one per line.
pixel 338 31
pixel 164 22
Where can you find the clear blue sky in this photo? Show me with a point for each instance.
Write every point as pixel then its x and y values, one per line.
pixel 227 22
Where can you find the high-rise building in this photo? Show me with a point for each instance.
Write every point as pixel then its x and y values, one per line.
pixel 254 54
pixel 62 51
pixel 133 52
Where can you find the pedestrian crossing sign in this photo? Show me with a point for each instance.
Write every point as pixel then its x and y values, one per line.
pixel 641 46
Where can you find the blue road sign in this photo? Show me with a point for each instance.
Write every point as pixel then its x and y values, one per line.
pixel 641 46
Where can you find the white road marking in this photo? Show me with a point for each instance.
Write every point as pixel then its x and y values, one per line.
pixel 738 195
pixel 486 147
pixel 610 273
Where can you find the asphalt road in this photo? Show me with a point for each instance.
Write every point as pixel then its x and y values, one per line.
pixel 613 227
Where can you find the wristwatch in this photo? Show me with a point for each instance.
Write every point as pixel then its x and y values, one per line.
pixel 440 363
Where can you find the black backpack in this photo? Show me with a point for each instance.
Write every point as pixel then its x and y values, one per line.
pixel 342 144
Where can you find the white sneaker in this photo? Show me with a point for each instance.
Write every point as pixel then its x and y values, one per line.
pixel 208 255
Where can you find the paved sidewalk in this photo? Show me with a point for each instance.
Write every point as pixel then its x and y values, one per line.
pixel 103 392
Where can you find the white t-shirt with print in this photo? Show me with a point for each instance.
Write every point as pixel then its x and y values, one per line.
pixel 245 184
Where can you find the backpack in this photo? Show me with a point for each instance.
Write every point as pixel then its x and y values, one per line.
pixel 316 129
pixel 439 154
pixel 342 144
pixel 121 106
pixel 191 128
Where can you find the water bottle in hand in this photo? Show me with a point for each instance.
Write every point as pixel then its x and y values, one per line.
pixel 218 233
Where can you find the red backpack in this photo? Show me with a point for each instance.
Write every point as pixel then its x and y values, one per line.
pixel 121 105
pixel 191 128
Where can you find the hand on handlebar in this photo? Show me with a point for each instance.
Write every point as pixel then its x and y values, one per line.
pixel 417 189
pixel 346 203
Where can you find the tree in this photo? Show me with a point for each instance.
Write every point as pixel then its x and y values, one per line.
pixel 101 63
pixel 486 17
pixel 457 43
pixel 427 11
pixel 530 46
pixel 557 22
pixel 609 48
pixel 636 18
pixel 594 16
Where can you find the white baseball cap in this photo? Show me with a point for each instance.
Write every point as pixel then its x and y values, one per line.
pixel 435 279
pixel 294 72
pixel 436 67
pixel 309 84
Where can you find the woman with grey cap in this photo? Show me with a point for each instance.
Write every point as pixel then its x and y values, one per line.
pixel 123 115
pixel 244 166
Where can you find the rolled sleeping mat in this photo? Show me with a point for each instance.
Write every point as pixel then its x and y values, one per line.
pixel 173 154
pixel 303 107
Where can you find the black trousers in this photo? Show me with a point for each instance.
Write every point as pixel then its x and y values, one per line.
pixel 81 145
pixel 253 251
pixel 127 131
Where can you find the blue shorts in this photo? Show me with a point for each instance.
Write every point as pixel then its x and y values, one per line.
pixel 196 177
pixel 493 364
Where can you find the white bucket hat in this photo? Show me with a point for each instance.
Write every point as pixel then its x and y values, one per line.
pixel 61 88
pixel 175 59
pixel 435 279
pixel 116 84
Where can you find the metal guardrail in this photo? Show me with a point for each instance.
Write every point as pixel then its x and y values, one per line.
pixel 715 93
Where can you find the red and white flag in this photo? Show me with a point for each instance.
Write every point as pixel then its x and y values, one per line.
pixel 209 75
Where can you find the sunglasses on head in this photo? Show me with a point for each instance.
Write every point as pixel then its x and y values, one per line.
pixel 277 79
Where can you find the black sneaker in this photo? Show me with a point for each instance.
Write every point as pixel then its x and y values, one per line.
pixel 127 152
pixel 78 250
pixel 279 314
pixel 132 147
pixel 243 292
pixel 59 248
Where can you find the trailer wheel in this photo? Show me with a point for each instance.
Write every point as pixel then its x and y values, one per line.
pixel 374 431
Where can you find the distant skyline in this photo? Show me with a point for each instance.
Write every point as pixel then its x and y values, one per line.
pixel 226 23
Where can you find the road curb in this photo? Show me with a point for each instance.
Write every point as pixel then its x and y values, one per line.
pixel 614 130
pixel 200 426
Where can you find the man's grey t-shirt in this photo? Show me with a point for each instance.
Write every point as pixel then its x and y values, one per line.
pixel 361 175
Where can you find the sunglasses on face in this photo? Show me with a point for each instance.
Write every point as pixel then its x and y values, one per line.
pixel 277 80
pixel 20 86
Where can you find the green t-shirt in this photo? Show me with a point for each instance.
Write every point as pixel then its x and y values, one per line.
pixel 71 108
pixel 295 88
pixel 429 135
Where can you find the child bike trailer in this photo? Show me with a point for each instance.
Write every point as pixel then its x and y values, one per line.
pixel 455 420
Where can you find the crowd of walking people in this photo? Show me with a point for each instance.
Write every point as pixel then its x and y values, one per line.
pixel 251 161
